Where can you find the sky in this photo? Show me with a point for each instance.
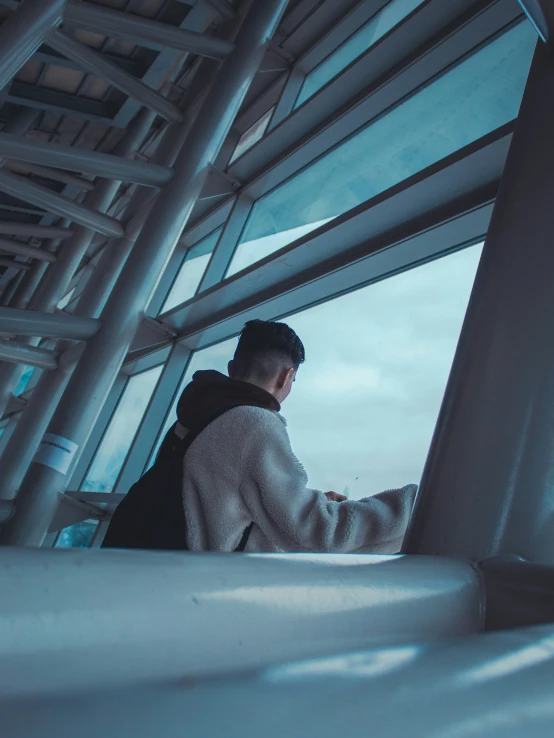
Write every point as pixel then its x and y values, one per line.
pixel 365 403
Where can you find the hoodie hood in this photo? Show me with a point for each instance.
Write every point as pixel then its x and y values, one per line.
pixel 211 393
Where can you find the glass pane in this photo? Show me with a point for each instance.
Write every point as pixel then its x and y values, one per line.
pixel 191 272
pixel 24 380
pixel 352 48
pixel 77 536
pixel 252 135
pixel 365 403
pixel 472 99
pixel 114 447
pixel 214 357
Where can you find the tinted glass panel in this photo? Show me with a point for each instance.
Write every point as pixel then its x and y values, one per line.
pixel 191 272
pixel 364 406
pixel 114 447
pixel 77 536
pixel 352 48
pixel 252 135
pixel 472 99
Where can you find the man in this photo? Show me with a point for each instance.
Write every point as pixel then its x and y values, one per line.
pixel 226 478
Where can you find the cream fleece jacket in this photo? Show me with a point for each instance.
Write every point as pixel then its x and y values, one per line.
pixel 242 469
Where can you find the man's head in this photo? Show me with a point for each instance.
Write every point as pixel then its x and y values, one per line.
pixel 268 355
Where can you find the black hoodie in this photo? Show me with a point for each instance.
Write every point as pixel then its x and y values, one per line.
pixel 151 516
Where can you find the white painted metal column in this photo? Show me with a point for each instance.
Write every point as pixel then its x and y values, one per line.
pixel 488 484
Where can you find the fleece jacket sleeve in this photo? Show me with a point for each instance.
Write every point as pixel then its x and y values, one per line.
pixel 295 518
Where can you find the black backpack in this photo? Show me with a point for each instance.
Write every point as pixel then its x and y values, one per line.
pixel 151 515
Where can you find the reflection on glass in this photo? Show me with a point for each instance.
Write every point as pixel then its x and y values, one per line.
pixel 114 447
pixel 368 35
pixel 24 380
pixel 214 357
pixel 77 536
pixel 191 272
pixel 252 135
pixel 472 99
pixel 365 403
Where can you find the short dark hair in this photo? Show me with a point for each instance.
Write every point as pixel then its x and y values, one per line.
pixel 265 347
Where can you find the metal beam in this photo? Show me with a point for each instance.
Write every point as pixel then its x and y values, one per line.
pixel 215 614
pixel 97 64
pixel 144 31
pixel 18 186
pixel 83 160
pixel 13 264
pixel 23 32
pixel 80 183
pixel 62 103
pixel 18 353
pixel 47 55
pixel 15 228
pixel 46 325
pixel 104 355
pixel 22 249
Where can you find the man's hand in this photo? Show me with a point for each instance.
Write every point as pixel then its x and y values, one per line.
pixel 335 497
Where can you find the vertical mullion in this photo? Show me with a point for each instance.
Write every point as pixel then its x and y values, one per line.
pixel 100 427
pixel 288 96
pixel 228 241
pixel 154 418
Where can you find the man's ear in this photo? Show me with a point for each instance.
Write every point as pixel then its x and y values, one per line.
pixel 286 375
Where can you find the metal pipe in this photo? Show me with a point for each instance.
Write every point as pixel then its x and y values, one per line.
pixel 497 685
pixel 12 286
pixel 46 325
pixel 115 75
pixel 26 190
pixel 14 264
pixel 80 183
pixel 104 355
pixel 212 614
pixel 144 31
pixel 18 353
pixel 34 231
pixel 21 249
pixel 83 160
pixel 23 32
pixel 29 284
pixel 487 487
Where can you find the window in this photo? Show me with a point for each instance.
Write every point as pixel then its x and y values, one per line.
pixel 252 135
pixel 192 270
pixel 214 357
pixel 364 406
pixel 365 403
pixel 24 381
pixel 79 535
pixel 472 99
pixel 114 447
pixel 368 35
